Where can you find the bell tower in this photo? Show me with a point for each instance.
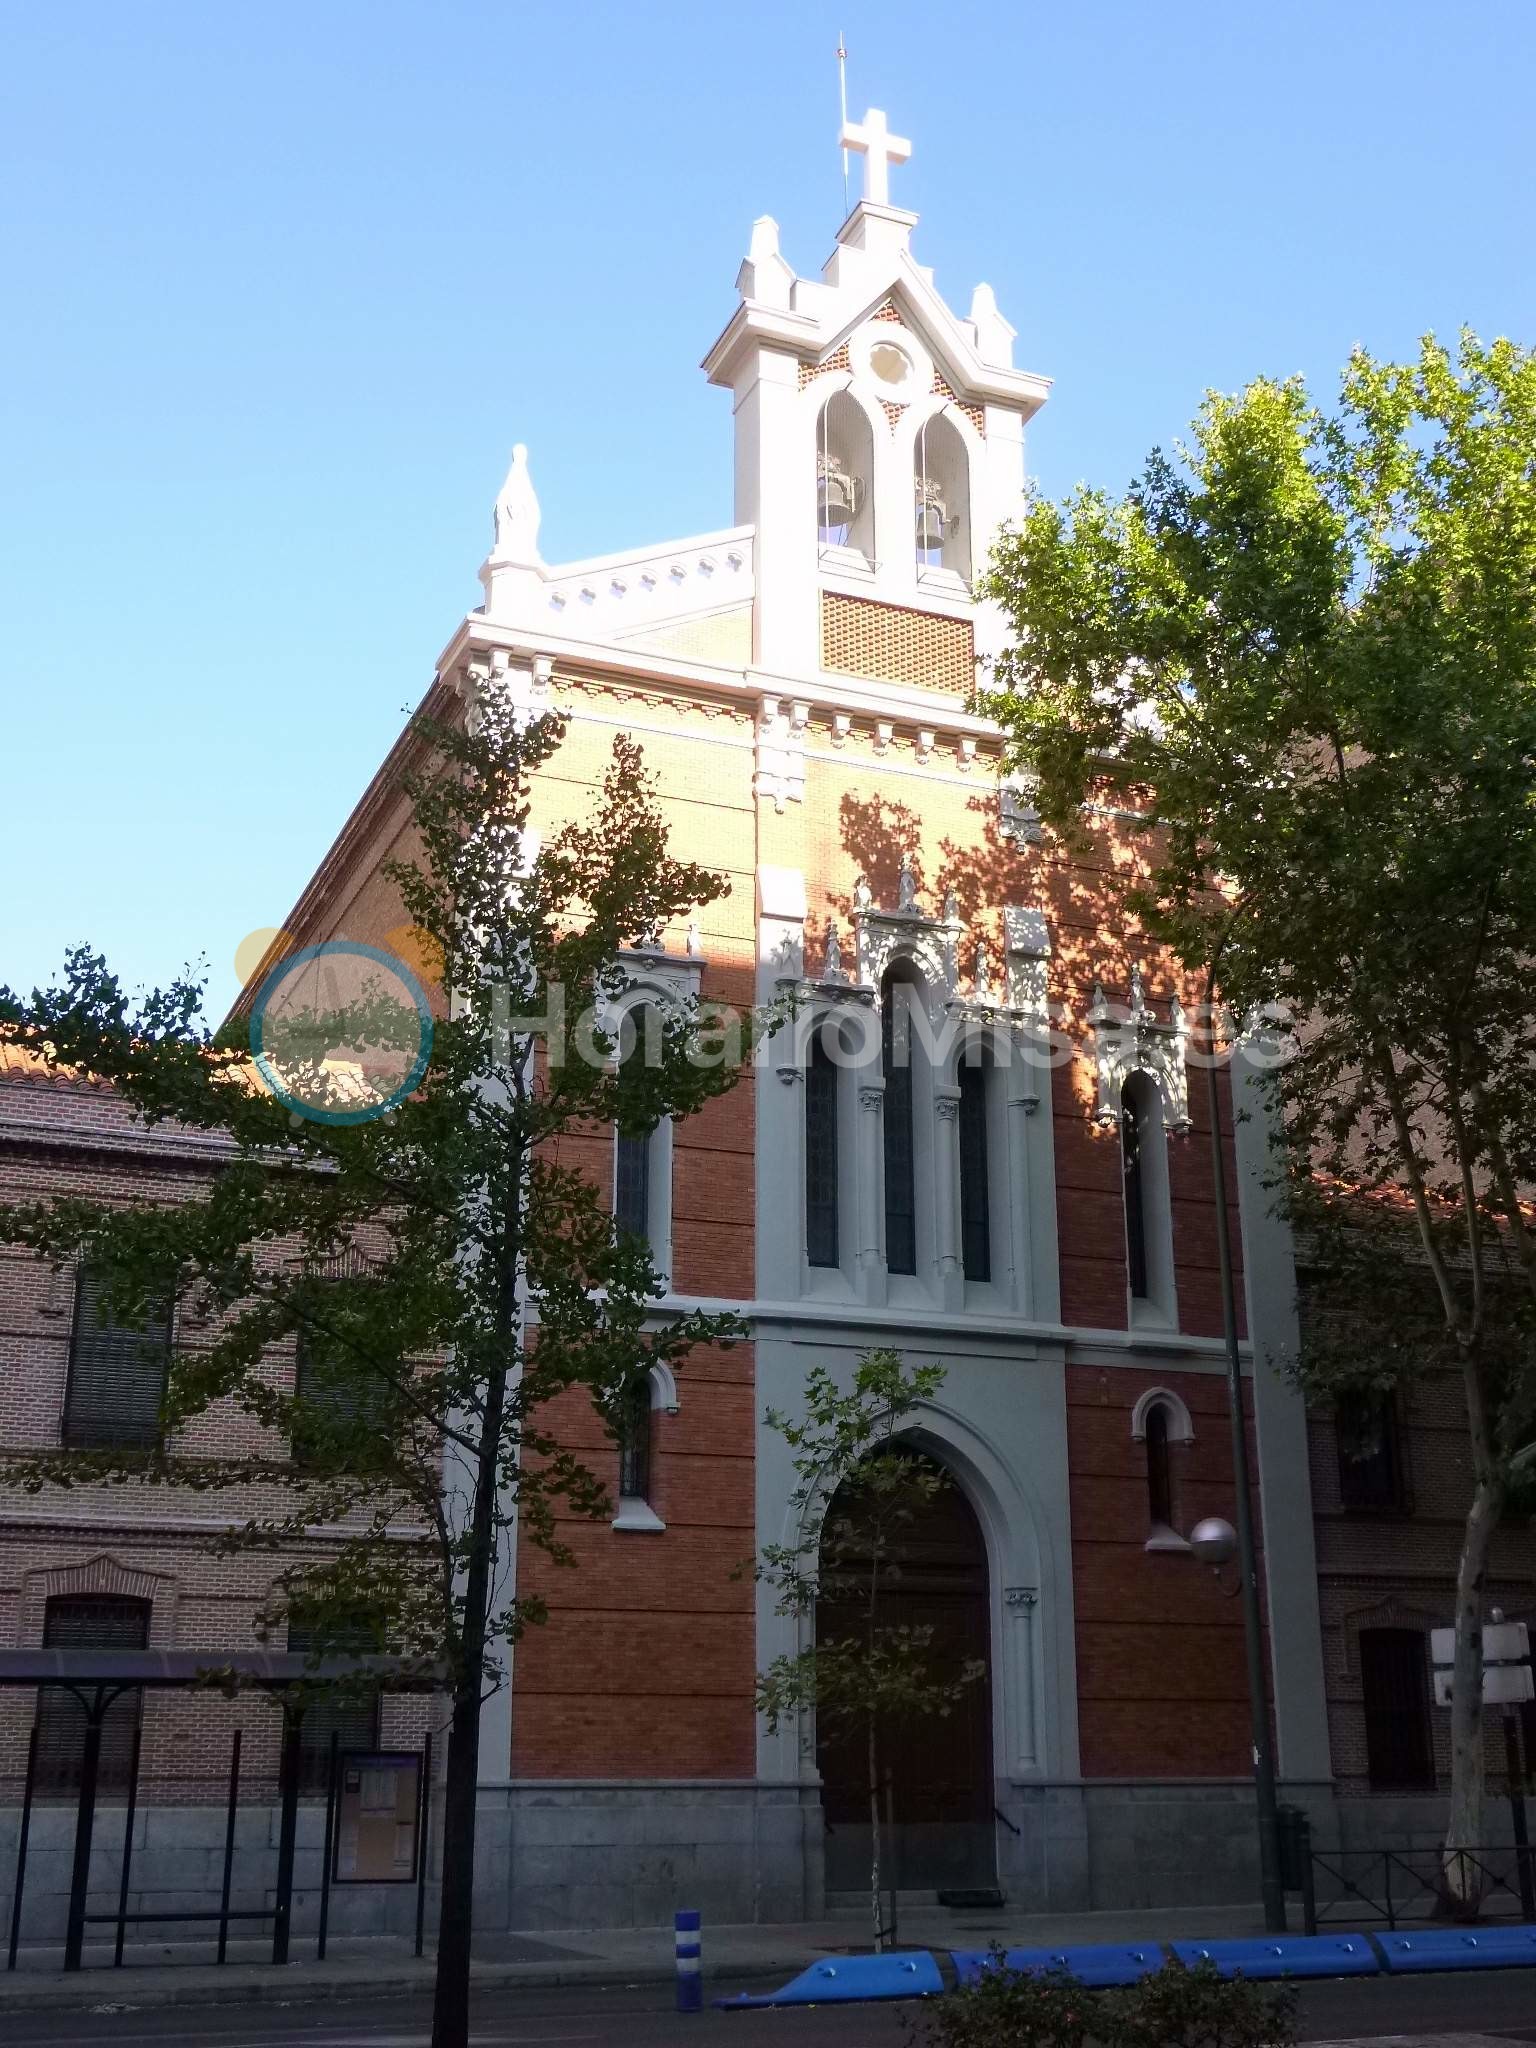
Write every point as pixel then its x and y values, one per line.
pixel 879 445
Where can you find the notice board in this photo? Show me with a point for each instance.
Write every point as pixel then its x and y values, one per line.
pixel 378 1804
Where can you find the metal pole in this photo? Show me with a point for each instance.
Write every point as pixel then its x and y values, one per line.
pixel 423 1837
pixel 890 1836
pixel 1270 1886
pixel 128 1819
pixel 21 1847
pixel 229 1843
pixel 325 1855
pixel 287 1833
pixel 1516 1777
pixel 85 1821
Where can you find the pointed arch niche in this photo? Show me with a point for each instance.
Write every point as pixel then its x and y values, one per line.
pixel 845 473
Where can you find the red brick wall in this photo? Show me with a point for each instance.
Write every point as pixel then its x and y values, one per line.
pixel 646 1665
pixel 1161 1686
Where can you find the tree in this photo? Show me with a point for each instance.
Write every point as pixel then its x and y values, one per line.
pixel 857 1494
pixel 1303 650
pixel 448 1276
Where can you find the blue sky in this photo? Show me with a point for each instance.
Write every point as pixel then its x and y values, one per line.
pixel 285 283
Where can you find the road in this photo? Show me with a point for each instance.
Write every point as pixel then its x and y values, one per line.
pixel 1501 2003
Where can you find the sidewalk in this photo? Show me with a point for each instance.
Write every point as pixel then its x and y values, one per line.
pixel 174 1974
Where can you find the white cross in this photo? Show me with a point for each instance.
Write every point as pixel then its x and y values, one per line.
pixel 879 149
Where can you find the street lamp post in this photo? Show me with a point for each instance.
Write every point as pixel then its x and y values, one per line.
pixel 1271 1889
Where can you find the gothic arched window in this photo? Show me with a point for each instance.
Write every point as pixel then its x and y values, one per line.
pixel 975 1192
pixel 1133 1137
pixel 821 1155
pixel 633 1148
pixel 897 994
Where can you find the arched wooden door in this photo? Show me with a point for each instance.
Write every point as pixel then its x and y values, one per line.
pixel 938 1771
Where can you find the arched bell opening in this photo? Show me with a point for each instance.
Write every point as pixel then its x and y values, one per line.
pixel 934 1775
pixel 845 468
pixel 941 497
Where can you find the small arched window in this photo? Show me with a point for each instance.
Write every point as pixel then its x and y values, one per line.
pixel 897 994
pixel 975 1192
pixel 821 1155
pixel 635 1440
pixel 1159 1470
pixel 1133 1138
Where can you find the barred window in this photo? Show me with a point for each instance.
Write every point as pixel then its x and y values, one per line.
pixel 635 1440
pixel 1370 1451
pixel 896 1064
pixel 353 1717
pixel 88 1621
pixel 821 1163
pixel 1394 1681
pixel 975 1194
pixel 116 1373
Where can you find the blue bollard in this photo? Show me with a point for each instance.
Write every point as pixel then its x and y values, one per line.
pixel 690 1981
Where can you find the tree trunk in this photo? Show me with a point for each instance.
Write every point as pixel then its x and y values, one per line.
pixel 1464 1828
pixel 450 2004
pixel 874 1841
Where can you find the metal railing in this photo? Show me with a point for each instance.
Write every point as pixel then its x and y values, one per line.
pixel 1398 1885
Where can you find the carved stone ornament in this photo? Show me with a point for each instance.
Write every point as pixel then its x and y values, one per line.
pixel 882 936
pixel 1133 1039
pixel 525 685
pixel 780 765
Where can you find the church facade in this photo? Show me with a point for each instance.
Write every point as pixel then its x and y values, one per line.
pixel 984 1143
pixel 1026 1201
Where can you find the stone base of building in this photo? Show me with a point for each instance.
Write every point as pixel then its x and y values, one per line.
pixel 598 1854
pixel 570 1855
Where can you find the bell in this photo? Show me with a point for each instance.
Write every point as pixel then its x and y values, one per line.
pixel 834 499
pixel 931 524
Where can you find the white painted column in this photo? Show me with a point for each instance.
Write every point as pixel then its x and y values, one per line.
pixel 871 1166
pixel 1021 1085
pixel 776 493
pixel 946 1192
pixel 1280 1429
pixel 1020 1604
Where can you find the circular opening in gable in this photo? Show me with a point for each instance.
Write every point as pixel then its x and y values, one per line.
pixel 892 365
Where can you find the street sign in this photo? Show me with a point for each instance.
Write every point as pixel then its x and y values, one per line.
pixel 1507 1679
pixel 1504 1685
pixel 1504 1642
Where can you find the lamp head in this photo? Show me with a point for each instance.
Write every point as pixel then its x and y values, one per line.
pixel 1213 1541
